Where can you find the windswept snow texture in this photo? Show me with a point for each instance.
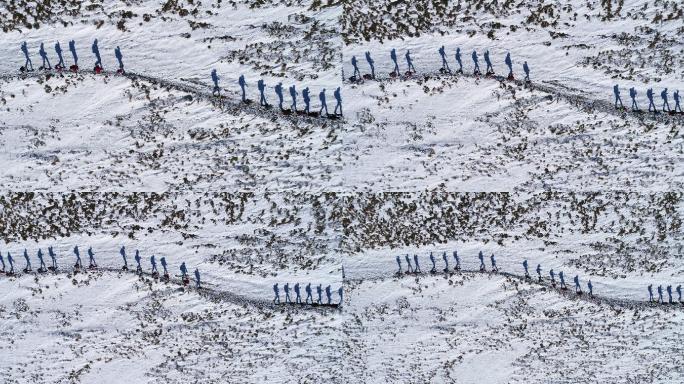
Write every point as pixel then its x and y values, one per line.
pixel 434 164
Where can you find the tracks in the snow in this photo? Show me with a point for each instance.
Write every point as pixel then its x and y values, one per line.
pixel 543 283
pixel 553 88
pixel 207 290
pixel 199 91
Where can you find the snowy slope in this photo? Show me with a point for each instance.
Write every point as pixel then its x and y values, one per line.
pixel 428 164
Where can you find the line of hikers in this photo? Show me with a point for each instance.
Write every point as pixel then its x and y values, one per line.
pixel 561 276
pixel 411 69
pixel 669 293
pixel 415 268
pixel 28 66
pixel 309 297
pixel 92 264
pixel 261 86
pixel 651 104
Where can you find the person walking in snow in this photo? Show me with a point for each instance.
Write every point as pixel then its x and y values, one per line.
pixel 679 289
pixel 96 52
pixel 338 100
pixel 616 92
pixel 393 56
pixel 78 264
pixel 28 65
pixel 578 289
pixel 445 63
pixel 669 294
pixel 490 68
pixel 42 267
pixel 676 99
pixel 553 277
pixel 154 265
pixel 434 266
pixel 409 62
pixel 10 260
pixel 308 294
pixel 416 268
pixel 72 48
pixel 276 292
pixel 660 294
pixel 446 261
pixel 262 98
pixel 632 95
pixel 663 95
pixel 307 100
pixel 527 273
pixel 526 69
pixel 58 49
pixel 197 278
pixel 591 288
pixel 91 258
pixel 371 63
pixel 324 105
pixel 399 264
pixel 562 280
pixel 476 71
pixel 509 63
pixel 482 264
pixel 650 292
pixel 408 264
pixel 119 58
pixel 651 104
pixel 53 257
pixel 355 64
pixel 298 298
pixel 122 252
pixel 28 262
pixel 215 79
pixel 457 261
pixel 328 294
pixel 494 268
pixel 287 293
pixel 163 264
pixel 138 267
pixel 2 264
pixel 43 55
pixel 279 93
pixel 183 269
pixel 539 276
pixel 319 292
pixel 243 84
pixel 458 60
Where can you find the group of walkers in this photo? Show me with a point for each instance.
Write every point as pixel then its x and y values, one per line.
pixel 9 270
pixel 445 68
pixel 61 65
pixel 309 299
pixel 261 86
pixel 412 266
pixel 651 104
pixel 415 268
pixel 661 300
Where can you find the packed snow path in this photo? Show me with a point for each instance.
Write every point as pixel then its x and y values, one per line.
pixel 207 290
pixel 199 90
pixel 554 89
pixel 545 283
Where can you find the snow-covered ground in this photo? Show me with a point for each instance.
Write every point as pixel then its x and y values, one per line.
pixel 428 164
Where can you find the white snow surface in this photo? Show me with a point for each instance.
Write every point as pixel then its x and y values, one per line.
pixel 428 164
